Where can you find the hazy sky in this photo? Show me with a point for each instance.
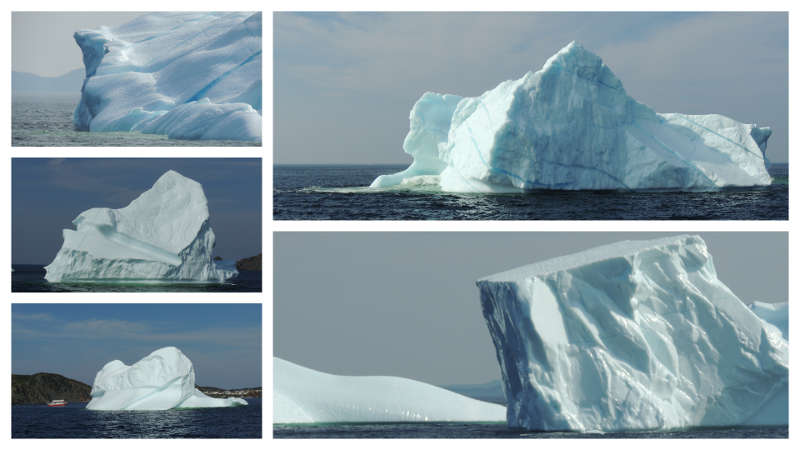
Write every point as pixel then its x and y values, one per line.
pixel 42 43
pixel 76 340
pixel 345 83
pixel 47 194
pixel 406 304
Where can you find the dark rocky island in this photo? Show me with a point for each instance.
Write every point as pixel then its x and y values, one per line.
pixel 40 388
pixel 254 392
pixel 252 263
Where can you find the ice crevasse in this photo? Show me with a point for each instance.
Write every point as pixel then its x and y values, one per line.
pixel 164 235
pixel 185 75
pixel 302 395
pixel 635 335
pixel 164 379
pixel 571 125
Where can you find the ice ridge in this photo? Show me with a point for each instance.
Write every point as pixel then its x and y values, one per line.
pixel 303 395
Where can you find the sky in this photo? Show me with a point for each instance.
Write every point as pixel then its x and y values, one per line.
pixel 405 304
pixel 42 43
pixel 47 194
pixel 223 341
pixel 345 82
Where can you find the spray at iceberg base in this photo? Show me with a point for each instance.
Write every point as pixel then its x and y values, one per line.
pixel 164 235
pixel 162 380
pixel 570 126
pixel 302 395
pixel 632 336
pixel 185 75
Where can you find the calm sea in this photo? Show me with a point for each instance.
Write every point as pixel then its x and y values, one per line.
pixel 46 121
pixel 75 421
pixel 432 430
pixel 341 193
pixel 30 278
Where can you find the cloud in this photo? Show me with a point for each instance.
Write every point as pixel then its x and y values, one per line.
pixel 344 83
pixel 37 317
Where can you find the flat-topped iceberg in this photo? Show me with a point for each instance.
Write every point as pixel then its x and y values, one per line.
pixel 162 235
pixel 186 75
pixel 302 395
pixel 163 379
pixel 571 125
pixel 633 335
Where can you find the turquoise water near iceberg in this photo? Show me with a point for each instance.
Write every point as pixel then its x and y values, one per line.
pixel 46 121
pixel 75 421
pixel 460 430
pixel 342 193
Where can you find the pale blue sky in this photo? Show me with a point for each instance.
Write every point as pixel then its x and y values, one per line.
pixel 345 82
pixel 405 304
pixel 223 341
pixel 48 193
pixel 42 42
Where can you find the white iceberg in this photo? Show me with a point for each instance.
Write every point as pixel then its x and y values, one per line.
pixel 186 75
pixel 302 395
pixel 633 335
pixel 571 125
pixel 162 235
pixel 163 379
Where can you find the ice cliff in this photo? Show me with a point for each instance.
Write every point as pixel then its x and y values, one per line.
pixel 186 75
pixel 162 235
pixel 161 380
pixel 571 125
pixel 633 335
pixel 302 395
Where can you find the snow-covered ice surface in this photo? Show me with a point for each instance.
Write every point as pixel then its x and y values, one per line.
pixel 162 235
pixel 571 125
pixel 633 335
pixel 161 380
pixel 302 395
pixel 186 75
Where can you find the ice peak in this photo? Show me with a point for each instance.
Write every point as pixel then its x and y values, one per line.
pixel 575 58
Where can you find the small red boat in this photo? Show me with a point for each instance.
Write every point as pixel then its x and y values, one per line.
pixel 57 403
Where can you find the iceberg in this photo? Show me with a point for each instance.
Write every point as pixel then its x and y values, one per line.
pixel 186 75
pixel 775 314
pixel 302 395
pixel 162 235
pixel 633 335
pixel 570 126
pixel 161 380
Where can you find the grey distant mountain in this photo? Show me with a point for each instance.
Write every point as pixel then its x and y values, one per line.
pixel 487 392
pixel 28 83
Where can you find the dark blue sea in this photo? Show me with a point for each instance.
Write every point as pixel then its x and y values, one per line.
pixel 433 430
pixel 75 421
pixel 30 278
pixel 341 193
pixel 45 120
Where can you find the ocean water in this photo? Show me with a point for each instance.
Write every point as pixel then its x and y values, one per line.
pixel 342 193
pixel 75 421
pixel 30 278
pixel 460 430
pixel 46 121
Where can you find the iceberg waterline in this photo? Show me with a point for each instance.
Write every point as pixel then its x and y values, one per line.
pixel 634 335
pixel 164 379
pixel 186 75
pixel 302 395
pixel 163 235
pixel 571 125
